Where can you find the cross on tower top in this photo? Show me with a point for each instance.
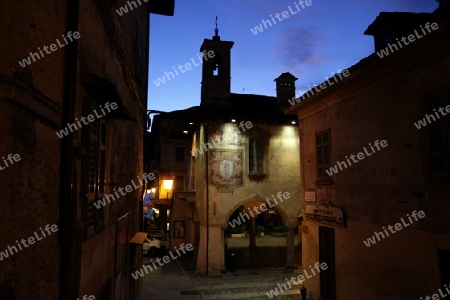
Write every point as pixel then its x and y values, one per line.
pixel 216 30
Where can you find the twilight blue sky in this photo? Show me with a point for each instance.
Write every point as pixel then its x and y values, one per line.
pixel 312 44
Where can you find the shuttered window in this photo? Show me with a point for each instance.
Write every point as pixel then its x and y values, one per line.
pixel 438 136
pixel 323 154
pixel 179 183
pixel 94 173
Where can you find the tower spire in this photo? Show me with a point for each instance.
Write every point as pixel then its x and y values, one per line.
pixel 216 30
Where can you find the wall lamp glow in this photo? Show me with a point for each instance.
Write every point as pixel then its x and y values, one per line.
pixel 168 183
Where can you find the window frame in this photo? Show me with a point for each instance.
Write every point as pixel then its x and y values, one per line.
pixel 177 156
pixel 94 185
pixel 259 154
pixel 325 179
pixel 179 183
pixel 443 122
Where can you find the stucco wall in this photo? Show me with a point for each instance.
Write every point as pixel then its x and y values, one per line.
pixel 29 201
pixel 283 176
pixel 29 100
pixel 381 102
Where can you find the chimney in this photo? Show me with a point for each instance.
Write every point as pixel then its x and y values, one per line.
pixel 389 26
pixel 443 3
pixel 285 84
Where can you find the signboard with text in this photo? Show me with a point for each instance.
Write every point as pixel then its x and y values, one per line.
pixel 324 213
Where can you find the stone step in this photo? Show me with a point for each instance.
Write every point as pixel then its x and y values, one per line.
pixel 248 292
pixel 244 287
pixel 244 277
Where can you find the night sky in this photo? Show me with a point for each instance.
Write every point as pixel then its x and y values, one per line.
pixel 315 42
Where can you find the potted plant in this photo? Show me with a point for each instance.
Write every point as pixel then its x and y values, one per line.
pixel 260 230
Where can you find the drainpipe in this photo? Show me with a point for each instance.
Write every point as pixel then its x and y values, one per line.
pixel 207 204
pixel 68 233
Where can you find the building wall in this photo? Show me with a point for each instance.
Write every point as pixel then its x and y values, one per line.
pixel 113 38
pixel 183 211
pixel 380 101
pixel 165 139
pixel 31 105
pixel 30 100
pixel 283 169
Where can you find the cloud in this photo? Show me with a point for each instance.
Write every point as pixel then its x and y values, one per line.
pixel 299 48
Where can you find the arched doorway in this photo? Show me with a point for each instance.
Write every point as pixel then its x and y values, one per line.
pixel 256 234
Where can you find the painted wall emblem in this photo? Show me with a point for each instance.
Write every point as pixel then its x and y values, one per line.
pixel 226 168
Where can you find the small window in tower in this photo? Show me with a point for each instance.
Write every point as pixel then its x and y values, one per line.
pixel 217 70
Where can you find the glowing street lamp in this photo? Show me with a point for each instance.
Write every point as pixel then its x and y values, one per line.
pixel 168 184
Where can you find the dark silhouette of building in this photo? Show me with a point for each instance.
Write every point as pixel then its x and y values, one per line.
pixel 73 95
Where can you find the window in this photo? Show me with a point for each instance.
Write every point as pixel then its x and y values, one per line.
pixel 256 151
pixel 217 71
pixel 179 154
pixel 179 183
pixel 93 174
pixel 438 130
pixel 323 156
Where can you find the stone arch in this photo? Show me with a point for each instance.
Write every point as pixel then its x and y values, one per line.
pixel 255 197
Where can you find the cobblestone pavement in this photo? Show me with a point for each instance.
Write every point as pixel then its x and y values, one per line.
pixel 167 282
pixel 177 279
pixel 268 246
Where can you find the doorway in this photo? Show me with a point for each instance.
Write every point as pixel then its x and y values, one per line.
pixel 444 266
pixel 327 255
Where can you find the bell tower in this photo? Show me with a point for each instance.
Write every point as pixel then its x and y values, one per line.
pixel 216 71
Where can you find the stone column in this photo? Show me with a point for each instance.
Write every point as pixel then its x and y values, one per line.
pixel 290 250
pixel 252 233
pixel 224 250
pixel 213 249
